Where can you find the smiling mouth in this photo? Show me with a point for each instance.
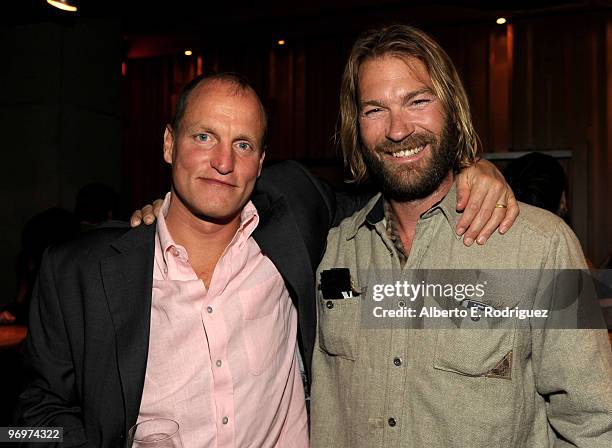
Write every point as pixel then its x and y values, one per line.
pixel 408 152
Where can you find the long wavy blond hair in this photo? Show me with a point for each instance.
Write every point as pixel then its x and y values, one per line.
pixel 404 41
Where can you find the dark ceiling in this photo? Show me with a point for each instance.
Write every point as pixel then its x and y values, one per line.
pixel 141 17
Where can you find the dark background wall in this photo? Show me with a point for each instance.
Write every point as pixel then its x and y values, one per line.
pixel 60 118
pixel 85 97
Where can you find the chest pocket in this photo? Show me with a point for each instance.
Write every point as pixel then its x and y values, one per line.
pixel 475 352
pixel 339 322
pixel 478 348
pixel 266 310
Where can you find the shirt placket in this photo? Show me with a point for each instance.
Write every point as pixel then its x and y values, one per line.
pixel 216 332
pixel 397 420
pixel 391 384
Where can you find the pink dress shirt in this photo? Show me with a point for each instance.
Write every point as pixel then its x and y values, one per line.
pixel 223 362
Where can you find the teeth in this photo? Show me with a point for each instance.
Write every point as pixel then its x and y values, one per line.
pixel 408 152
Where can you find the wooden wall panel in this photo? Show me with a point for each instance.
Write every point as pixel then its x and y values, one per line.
pixel 500 79
pixel 606 239
pixel 325 63
pixel 522 97
pixel 600 145
pixel 469 57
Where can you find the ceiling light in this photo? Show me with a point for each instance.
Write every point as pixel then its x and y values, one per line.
pixel 501 20
pixel 281 42
pixel 188 52
pixel 65 5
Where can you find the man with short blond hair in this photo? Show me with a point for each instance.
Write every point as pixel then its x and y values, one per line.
pixel 189 319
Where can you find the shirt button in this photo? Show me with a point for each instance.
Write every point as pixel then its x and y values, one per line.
pixel 397 361
pixel 329 304
pixel 392 422
pixel 225 420
pixel 219 363
pixel 209 309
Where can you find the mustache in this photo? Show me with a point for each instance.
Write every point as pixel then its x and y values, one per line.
pixel 410 142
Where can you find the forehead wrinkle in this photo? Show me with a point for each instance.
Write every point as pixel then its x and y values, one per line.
pixel 415 68
pixel 405 97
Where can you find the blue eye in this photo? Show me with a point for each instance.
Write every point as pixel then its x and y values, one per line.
pixel 244 146
pixel 202 137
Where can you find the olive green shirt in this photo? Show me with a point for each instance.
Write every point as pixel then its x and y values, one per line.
pixel 511 387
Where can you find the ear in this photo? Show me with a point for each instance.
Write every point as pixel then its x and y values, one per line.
pixel 168 144
pixel 261 161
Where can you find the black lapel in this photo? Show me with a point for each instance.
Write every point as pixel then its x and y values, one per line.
pixel 279 237
pixel 128 281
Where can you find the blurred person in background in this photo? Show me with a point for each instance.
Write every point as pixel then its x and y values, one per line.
pixel 53 226
pixel 539 180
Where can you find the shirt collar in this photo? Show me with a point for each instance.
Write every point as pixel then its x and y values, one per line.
pixel 249 219
pixel 374 212
pixel 165 239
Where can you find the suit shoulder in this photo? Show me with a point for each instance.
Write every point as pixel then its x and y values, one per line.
pixel 295 182
pixel 286 171
pixel 94 244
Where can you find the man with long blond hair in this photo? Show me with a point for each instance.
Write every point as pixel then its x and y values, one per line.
pixel 458 381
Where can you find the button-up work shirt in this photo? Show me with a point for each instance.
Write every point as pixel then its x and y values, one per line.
pixel 223 361
pixel 463 388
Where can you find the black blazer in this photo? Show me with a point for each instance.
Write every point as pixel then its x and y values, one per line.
pixel 86 350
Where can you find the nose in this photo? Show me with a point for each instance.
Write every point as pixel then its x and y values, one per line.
pixel 399 127
pixel 222 159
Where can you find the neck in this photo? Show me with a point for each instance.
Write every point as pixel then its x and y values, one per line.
pixel 198 234
pixel 408 213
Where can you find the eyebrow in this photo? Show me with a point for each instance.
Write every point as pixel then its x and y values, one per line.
pixel 208 130
pixel 196 128
pixel 247 137
pixel 407 98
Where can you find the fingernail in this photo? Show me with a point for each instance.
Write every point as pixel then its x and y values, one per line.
pixel 460 230
pixel 468 241
pixel 503 229
pixel 148 220
pixel 481 240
